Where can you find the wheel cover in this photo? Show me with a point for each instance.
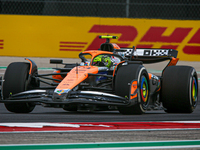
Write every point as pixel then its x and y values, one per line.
pixel 144 89
pixel 194 91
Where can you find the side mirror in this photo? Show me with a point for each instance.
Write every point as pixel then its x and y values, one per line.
pixel 56 61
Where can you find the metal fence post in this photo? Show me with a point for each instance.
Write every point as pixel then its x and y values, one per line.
pixel 127 8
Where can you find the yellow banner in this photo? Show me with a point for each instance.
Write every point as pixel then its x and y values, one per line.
pixel 56 36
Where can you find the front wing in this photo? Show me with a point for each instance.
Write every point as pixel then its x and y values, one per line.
pixel 75 97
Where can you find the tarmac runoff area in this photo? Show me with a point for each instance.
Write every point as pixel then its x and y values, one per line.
pixel 44 65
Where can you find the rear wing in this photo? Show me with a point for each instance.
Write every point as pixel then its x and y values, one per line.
pixel 147 55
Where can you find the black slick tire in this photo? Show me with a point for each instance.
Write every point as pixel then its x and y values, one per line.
pixel 16 77
pixel 125 75
pixel 179 91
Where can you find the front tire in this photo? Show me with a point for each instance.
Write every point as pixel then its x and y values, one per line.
pixel 16 80
pixel 179 91
pixel 125 75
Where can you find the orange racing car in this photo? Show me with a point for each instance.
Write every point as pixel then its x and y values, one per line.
pixel 106 79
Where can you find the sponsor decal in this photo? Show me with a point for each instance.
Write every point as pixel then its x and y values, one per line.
pixel 58 91
pixel 151 38
pixel 154 77
pixel 155 34
pixel 155 52
pixel 84 83
pixel 99 78
pixel 102 68
pixel 70 79
pixel 72 46
pixel 1 44
pixel 62 39
pixel 128 34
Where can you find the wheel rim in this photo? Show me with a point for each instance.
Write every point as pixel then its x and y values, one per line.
pixel 144 89
pixel 194 91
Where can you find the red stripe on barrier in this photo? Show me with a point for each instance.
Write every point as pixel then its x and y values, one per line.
pixel 70 50
pixel 90 126
pixel 73 42
pixel 72 46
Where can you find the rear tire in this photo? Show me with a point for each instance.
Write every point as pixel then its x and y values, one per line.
pixel 16 80
pixel 179 91
pixel 125 75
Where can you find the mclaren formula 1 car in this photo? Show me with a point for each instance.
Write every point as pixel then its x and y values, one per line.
pixel 106 79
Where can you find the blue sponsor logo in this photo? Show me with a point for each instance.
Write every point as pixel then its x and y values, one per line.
pixel 58 91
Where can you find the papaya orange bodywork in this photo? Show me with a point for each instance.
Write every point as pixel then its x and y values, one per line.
pixel 80 73
pixel 173 61
pixel 150 76
pixel 59 77
pixel 133 90
pixel 115 46
pixel 116 67
pixel 30 65
pixel 76 76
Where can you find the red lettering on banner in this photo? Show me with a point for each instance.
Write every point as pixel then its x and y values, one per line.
pixel 1 44
pixel 195 38
pixel 154 34
pixel 169 46
pixel 191 49
pixel 72 46
pixel 128 33
pixel 144 46
pixel 96 43
pixel 151 46
pixel 123 45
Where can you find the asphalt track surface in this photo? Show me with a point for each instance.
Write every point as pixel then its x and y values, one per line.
pixel 41 114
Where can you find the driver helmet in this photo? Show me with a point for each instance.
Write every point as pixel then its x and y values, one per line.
pixel 102 60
